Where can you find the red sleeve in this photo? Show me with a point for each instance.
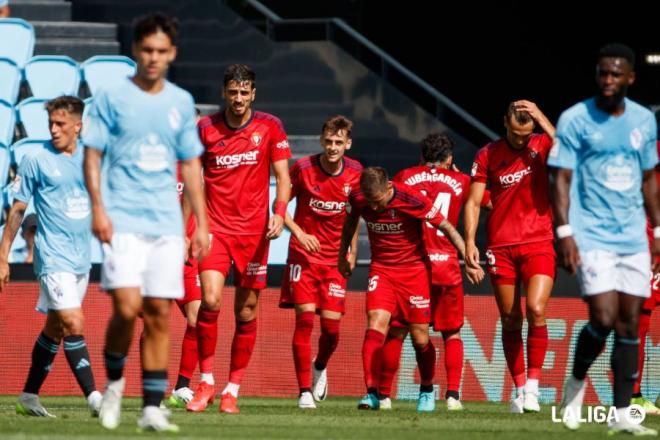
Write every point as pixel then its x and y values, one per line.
pixel 420 207
pixel 480 166
pixel 294 174
pixel 545 143
pixel 485 199
pixel 279 144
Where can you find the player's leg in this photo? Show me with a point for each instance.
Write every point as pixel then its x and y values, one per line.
pixel 538 289
pixel 425 354
pixel 391 359
pixel 644 324
pixel 182 393
pixel 43 353
pixel 332 294
pixel 372 353
pixel 302 353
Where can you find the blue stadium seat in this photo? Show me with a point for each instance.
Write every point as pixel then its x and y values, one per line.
pixel 23 147
pixel 50 76
pixel 88 105
pixel 7 122
pixel 32 115
pixel 5 161
pixel 17 36
pixel 11 80
pixel 102 71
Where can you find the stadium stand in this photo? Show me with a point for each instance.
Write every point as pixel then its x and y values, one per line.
pixel 32 118
pixel 103 71
pixel 21 34
pixel 50 76
pixel 23 147
pixel 11 80
pixel 7 120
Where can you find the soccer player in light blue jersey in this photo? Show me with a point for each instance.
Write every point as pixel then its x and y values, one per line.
pixel 606 145
pixel 141 128
pixel 53 177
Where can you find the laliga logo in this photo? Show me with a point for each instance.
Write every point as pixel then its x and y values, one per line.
pixel 634 414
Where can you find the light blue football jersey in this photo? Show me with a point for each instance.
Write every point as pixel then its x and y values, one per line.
pixel 56 182
pixel 608 155
pixel 142 136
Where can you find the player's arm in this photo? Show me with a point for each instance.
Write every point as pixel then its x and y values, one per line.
pixel 192 191
pixel 14 220
pixel 308 241
pixel 283 193
pixel 352 253
pixel 537 115
pixel 652 206
pixel 101 224
pixel 471 214
pixel 348 231
pixel 560 186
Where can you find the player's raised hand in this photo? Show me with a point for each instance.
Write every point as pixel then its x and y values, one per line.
pixel 655 255
pixel 309 242
pixel 471 255
pixel 4 275
pixel 529 107
pixel 101 225
pixel 474 274
pixel 570 256
pixel 275 227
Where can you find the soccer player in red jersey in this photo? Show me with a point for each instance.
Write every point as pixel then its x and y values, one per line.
pixel 321 183
pixel 520 239
pixel 399 280
pixel 644 323
pixel 240 146
pixel 189 307
pixel 448 188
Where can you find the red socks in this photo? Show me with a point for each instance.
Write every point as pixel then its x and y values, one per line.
pixel 390 364
pixel 327 341
pixel 207 338
pixel 372 354
pixel 644 324
pixel 242 346
pixel 514 354
pixel 454 363
pixel 189 353
pixel 426 363
pixel 537 346
pixel 302 349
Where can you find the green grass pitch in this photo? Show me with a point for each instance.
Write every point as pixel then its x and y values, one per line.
pixel 336 418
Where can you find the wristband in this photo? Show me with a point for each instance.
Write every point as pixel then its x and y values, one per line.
pixel 280 208
pixel 564 231
pixel 656 232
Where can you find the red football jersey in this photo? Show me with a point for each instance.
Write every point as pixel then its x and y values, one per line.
pixel 237 170
pixel 321 206
pixel 518 183
pixel 395 234
pixel 649 228
pixel 191 225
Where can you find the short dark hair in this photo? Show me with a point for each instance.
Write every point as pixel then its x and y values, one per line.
pixel 373 180
pixel 522 117
pixel 617 50
pixel 437 147
pixel 153 23
pixel 336 124
pixel 239 73
pixel 70 104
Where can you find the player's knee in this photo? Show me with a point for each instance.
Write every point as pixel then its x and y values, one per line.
pixel 246 312
pixel 452 334
pixel 604 319
pixel 72 325
pixel 628 328
pixel 535 313
pixel 419 339
pixel 127 311
pixel 191 320
pixel 511 321
pixel 211 302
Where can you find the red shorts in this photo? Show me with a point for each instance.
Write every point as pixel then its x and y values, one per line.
pixel 447 307
pixel 319 284
pixel 508 264
pixel 249 253
pixel 445 269
pixel 654 300
pixel 192 290
pixel 404 292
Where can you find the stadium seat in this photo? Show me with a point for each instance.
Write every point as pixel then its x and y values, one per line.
pixel 11 80
pixel 7 122
pixel 88 105
pixel 50 76
pixel 105 70
pixel 24 147
pixel 17 36
pixel 32 115
pixel 5 160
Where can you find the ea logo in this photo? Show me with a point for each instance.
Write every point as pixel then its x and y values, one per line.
pixel 635 414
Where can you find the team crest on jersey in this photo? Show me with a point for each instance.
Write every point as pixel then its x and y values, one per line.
pixel 256 139
pixel 636 138
pixel 393 213
pixel 532 154
pixel 347 188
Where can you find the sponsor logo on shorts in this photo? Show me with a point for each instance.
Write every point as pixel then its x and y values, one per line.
pixel 234 160
pixel 511 179
pixel 419 302
pixel 438 258
pixel 255 269
pixel 385 228
pixel 326 206
pixel 336 290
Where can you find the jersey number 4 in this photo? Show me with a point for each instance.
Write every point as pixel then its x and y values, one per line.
pixel 441 203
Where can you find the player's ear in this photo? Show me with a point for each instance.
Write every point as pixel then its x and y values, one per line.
pixel 173 53
pixel 254 93
pixel 349 143
pixel 631 78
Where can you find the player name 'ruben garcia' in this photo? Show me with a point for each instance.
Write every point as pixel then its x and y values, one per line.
pixel 435 177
